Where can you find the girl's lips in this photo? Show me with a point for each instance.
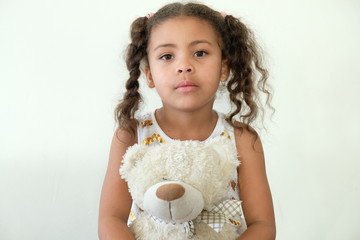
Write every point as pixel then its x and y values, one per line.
pixel 186 86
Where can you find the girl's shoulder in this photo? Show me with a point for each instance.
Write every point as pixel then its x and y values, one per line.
pixel 242 130
pixel 247 140
pixel 128 135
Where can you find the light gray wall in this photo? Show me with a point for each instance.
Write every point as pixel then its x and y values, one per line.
pixel 61 72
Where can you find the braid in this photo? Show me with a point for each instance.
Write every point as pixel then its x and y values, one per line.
pixel 136 52
pixel 245 63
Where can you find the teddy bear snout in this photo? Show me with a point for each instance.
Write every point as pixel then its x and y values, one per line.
pixel 170 192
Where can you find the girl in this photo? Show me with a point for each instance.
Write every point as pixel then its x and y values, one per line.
pixel 187 51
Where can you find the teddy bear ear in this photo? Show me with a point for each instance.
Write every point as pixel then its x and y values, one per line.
pixel 130 157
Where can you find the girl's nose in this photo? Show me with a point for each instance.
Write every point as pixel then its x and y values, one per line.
pixel 187 69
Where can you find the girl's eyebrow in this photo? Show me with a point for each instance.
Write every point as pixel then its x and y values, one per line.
pixel 174 46
pixel 200 41
pixel 165 45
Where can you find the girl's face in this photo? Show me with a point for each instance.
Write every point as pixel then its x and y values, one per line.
pixel 185 63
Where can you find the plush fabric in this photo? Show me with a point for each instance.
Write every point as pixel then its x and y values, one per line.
pixel 177 184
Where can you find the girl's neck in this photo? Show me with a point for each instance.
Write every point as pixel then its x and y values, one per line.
pixel 186 125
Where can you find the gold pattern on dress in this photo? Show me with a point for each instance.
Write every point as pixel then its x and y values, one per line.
pixel 225 133
pixel 146 123
pixel 132 216
pixel 233 185
pixel 153 138
pixel 235 222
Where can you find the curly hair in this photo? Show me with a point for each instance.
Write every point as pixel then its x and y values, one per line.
pixel 247 77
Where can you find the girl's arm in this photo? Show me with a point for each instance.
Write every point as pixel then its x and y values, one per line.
pixel 115 202
pixel 254 188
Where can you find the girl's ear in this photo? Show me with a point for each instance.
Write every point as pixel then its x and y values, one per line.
pixel 225 71
pixel 149 78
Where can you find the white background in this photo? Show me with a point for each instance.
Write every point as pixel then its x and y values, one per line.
pixel 61 74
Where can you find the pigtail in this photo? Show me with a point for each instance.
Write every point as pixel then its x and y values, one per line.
pixel 248 76
pixel 136 51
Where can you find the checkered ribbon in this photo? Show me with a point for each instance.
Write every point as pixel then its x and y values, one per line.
pixel 228 211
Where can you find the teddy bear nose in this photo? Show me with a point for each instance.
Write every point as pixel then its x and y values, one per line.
pixel 170 191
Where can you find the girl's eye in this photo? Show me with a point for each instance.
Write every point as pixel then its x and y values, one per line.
pixel 200 54
pixel 166 57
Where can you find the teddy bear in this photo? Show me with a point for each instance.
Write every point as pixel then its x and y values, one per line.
pixel 179 188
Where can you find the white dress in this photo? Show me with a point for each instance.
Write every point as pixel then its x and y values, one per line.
pixel 149 133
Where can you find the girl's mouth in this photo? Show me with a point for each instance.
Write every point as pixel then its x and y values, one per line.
pixel 186 86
